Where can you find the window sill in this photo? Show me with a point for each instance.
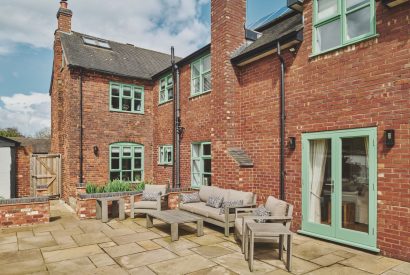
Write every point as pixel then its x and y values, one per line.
pixel 164 164
pixel 126 112
pixel 199 94
pixel 313 55
pixel 165 102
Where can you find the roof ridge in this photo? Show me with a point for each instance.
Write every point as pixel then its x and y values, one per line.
pixel 122 43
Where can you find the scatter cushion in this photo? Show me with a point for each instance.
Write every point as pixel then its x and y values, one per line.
pixel 261 211
pixel 237 203
pixel 214 201
pixel 150 195
pixel 190 197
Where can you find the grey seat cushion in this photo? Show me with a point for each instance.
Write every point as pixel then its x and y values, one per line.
pixel 145 204
pixel 275 206
pixel 156 188
pixel 214 213
pixel 238 225
pixel 234 195
pixel 199 208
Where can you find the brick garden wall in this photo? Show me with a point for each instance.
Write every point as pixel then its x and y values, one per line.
pixel 20 212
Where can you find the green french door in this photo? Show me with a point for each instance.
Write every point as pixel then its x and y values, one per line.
pixel 339 188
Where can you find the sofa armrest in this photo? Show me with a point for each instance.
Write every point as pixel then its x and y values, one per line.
pixel 279 219
pixel 243 211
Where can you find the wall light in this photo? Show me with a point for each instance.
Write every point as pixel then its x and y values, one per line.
pixel 292 143
pixel 95 149
pixel 389 137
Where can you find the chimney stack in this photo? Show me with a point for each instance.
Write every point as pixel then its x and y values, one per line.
pixel 64 17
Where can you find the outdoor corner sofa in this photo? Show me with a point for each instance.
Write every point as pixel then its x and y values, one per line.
pixel 143 206
pixel 213 215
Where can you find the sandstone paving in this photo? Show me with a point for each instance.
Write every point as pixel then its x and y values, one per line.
pixel 343 253
pixel 25 234
pixel 125 249
pixel 212 251
pixel 215 270
pixel 118 232
pixel 327 260
pixel 236 263
pixel 90 238
pixel 182 265
pixel 180 244
pixel 299 266
pixel 10 238
pixel 312 250
pixel 124 239
pixel 371 263
pixel 184 252
pixel 20 256
pixel 71 253
pixel 28 266
pixel 337 270
pixel 108 270
pixel 148 245
pixel 143 270
pixel 107 244
pixel 145 258
pixel 100 260
pixel 206 239
pixel 403 268
pixel 36 242
pixel 71 266
pixel 392 272
pixel 9 247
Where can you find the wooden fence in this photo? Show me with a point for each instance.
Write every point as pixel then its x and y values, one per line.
pixel 45 171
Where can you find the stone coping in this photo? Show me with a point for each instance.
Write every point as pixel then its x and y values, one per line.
pixel 24 200
pixel 105 195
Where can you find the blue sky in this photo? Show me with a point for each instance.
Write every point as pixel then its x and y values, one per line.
pixel 26 42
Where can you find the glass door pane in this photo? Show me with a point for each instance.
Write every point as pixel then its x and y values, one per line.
pixel 320 182
pixel 354 210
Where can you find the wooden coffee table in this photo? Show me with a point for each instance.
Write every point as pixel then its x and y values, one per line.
pixel 174 218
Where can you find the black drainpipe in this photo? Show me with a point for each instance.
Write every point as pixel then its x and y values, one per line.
pixel 282 123
pixel 174 124
pixel 81 126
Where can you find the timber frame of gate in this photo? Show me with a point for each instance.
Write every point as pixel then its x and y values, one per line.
pixel 52 174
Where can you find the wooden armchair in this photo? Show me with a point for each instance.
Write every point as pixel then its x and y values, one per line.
pixel 142 206
pixel 281 212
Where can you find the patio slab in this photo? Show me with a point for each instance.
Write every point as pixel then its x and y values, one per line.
pixel 327 260
pixel 145 258
pixel 181 244
pixel 212 251
pixel 136 237
pixel 182 265
pixel 71 253
pixel 237 263
pixel 148 245
pixel 339 270
pixel 371 264
pixel 20 256
pixel 71 266
pixel 36 242
pixel 403 268
pixel 215 270
pixel 312 250
pixel 122 250
pixel 29 266
pixel 100 260
pixel 90 238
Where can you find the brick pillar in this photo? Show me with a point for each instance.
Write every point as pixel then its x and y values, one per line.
pixel 227 34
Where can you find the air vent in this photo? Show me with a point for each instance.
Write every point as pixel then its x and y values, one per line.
pixel 252 35
pixel 96 42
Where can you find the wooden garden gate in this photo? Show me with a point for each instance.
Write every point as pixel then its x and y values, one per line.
pixel 45 172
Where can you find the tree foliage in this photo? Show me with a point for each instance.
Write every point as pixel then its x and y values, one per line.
pixel 43 133
pixel 10 132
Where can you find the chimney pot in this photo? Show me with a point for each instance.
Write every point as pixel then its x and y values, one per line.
pixel 63 4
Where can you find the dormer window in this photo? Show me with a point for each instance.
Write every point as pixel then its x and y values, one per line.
pixel 96 42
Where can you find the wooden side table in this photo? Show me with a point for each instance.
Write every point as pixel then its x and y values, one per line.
pixel 267 231
pixel 118 208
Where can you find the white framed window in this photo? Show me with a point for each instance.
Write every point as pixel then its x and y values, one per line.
pixel 201 164
pixel 166 89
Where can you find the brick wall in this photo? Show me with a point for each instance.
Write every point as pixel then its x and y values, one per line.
pixel 364 85
pixel 16 214
pixel 23 171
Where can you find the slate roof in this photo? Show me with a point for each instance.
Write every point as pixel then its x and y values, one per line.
pixel 286 25
pixel 39 145
pixel 122 59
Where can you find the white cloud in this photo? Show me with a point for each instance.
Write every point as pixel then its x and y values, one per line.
pixel 154 24
pixel 29 113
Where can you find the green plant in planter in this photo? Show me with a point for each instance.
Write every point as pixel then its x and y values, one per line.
pixel 140 186
pixel 91 188
pixel 118 186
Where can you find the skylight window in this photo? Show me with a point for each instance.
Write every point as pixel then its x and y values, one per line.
pixel 96 42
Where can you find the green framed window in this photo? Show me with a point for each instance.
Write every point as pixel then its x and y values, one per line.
pixel 127 162
pixel 201 161
pixel 126 98
pixel 201 75
pixel 165 155
pixel 339 23
pixel 166 89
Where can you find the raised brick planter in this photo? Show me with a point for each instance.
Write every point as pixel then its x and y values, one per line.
pixel 24 211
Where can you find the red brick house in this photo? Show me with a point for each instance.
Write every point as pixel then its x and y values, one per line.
pixel 312 107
